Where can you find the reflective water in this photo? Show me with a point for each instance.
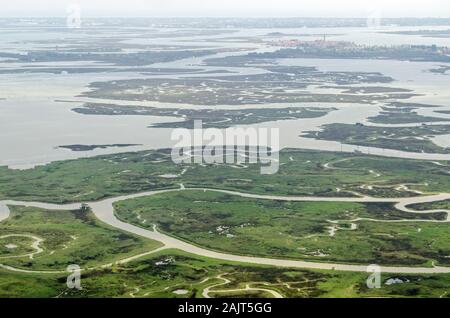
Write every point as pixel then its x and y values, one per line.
pixel 34 121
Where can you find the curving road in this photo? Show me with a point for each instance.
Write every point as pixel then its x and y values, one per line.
pixel 104 211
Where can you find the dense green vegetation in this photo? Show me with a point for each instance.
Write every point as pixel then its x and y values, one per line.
pixel 68 237
pixel 176 274
pixel 13 246
pixel 440 205
pixel 301 173
pixel 321 231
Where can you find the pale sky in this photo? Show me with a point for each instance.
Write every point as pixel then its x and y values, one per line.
pixel 230 8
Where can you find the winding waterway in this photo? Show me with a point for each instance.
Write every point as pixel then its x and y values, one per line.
pixel 104 211
pixel 35 122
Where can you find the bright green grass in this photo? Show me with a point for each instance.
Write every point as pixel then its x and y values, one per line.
pixel 15 246
pixel 299 230
pixel 70 237
pixel 145 278
pixel 91 179
pixel 440 205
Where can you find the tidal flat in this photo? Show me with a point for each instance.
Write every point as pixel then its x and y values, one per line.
pixel 87 177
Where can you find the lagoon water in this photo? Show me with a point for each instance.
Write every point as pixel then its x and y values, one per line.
pixel 36 116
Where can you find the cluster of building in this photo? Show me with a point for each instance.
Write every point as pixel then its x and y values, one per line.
pixel 434 48
pixel 326 44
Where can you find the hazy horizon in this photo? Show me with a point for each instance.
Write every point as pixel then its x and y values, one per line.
pixel 232 8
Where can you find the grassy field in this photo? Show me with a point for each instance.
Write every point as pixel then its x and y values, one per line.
pixel 320 231
pixel 402 116
pixel 441 205
pixel 222 222
pixel 280 85
pixel 75 237
pixel 301 173
pixel 412 139
pixel 175 274
pixel 211 118
pixel 68 237
pixel 13 246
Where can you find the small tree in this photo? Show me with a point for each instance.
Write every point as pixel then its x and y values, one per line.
pixel 85 208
